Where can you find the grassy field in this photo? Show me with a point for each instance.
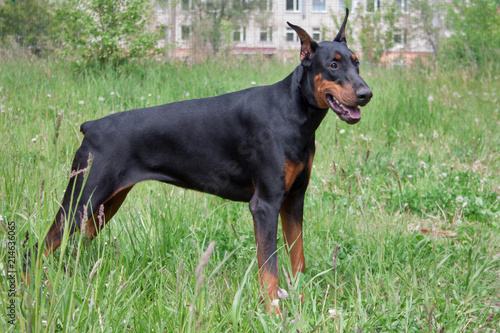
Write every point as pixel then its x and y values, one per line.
pixel 410 195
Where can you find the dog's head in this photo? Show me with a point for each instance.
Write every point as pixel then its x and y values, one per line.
pixel 334 73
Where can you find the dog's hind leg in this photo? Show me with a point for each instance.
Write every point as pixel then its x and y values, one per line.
pixel 94 194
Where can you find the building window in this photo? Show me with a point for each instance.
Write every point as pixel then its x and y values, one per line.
pixel 186 5
pixel 372 6
pixel 266 5
pixel 319 6
pixel 342 6
pixel 291 36
pixel 240 5
pixel 316 34
pixel 239 34
pixel 401 5
pixel 292 5
pixel 185 32
pixel 266 34
pixel 400 37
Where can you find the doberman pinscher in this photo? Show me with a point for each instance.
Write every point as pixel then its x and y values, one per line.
pixel 256 145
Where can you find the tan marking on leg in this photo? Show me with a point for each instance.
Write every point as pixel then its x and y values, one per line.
pixel 111 206
pixel 291 171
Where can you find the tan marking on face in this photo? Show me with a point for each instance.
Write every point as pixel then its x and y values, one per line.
pixel 353 57
pixel 291 170
pixel 345 95
pixel 337 57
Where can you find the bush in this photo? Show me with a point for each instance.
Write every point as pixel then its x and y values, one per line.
pixel 106 31
pixel 475 27
pixel 28 22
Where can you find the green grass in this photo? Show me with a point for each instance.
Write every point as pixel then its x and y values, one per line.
pixel 410 195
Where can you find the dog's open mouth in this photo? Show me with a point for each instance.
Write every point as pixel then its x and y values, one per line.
pixel 350 115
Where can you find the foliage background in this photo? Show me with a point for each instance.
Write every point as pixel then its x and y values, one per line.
pixel 407 201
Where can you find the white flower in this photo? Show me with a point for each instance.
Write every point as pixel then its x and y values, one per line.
pixel 342 131
pixel 430 98
pixel 333 313
pixel 149 95
pixel 420 135
pixel 460 199
pixel 410 176
pixel 81 102
pixel 464 205
pixel 100 99
pixel 275 303
pixel 33 140
pixel 253 83
pixel 423 164
pixel 435 135
pixel 112 93
pixel 186 94
pixel 282 293
pixel 49 95
pixel 457 178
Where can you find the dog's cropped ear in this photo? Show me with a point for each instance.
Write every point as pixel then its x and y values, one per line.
pixel 341 34
pixel 307 45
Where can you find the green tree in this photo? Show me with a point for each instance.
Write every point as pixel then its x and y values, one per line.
pixel 212 20
pixel 29 22
pixel 377 30
pixel 423 16
pixel 475 31
pixel 106 31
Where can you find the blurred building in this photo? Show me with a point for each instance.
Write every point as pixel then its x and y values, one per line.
pixel 263 29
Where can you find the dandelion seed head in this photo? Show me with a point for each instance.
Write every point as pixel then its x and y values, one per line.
pixel 143 98
pixel 459 199
pixel 100 99
pixel 333 313
pixel 81 102
pixel 282 293
pixel 430 98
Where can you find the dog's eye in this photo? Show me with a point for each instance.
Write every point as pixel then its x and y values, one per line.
pixel 334 65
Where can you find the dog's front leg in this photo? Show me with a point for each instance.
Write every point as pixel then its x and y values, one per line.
pixel 265 216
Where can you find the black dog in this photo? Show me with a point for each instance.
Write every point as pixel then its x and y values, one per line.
pixel 254 145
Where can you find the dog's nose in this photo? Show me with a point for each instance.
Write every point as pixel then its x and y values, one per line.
pixel 364 95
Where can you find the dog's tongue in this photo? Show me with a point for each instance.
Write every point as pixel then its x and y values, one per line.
pixel 350 115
